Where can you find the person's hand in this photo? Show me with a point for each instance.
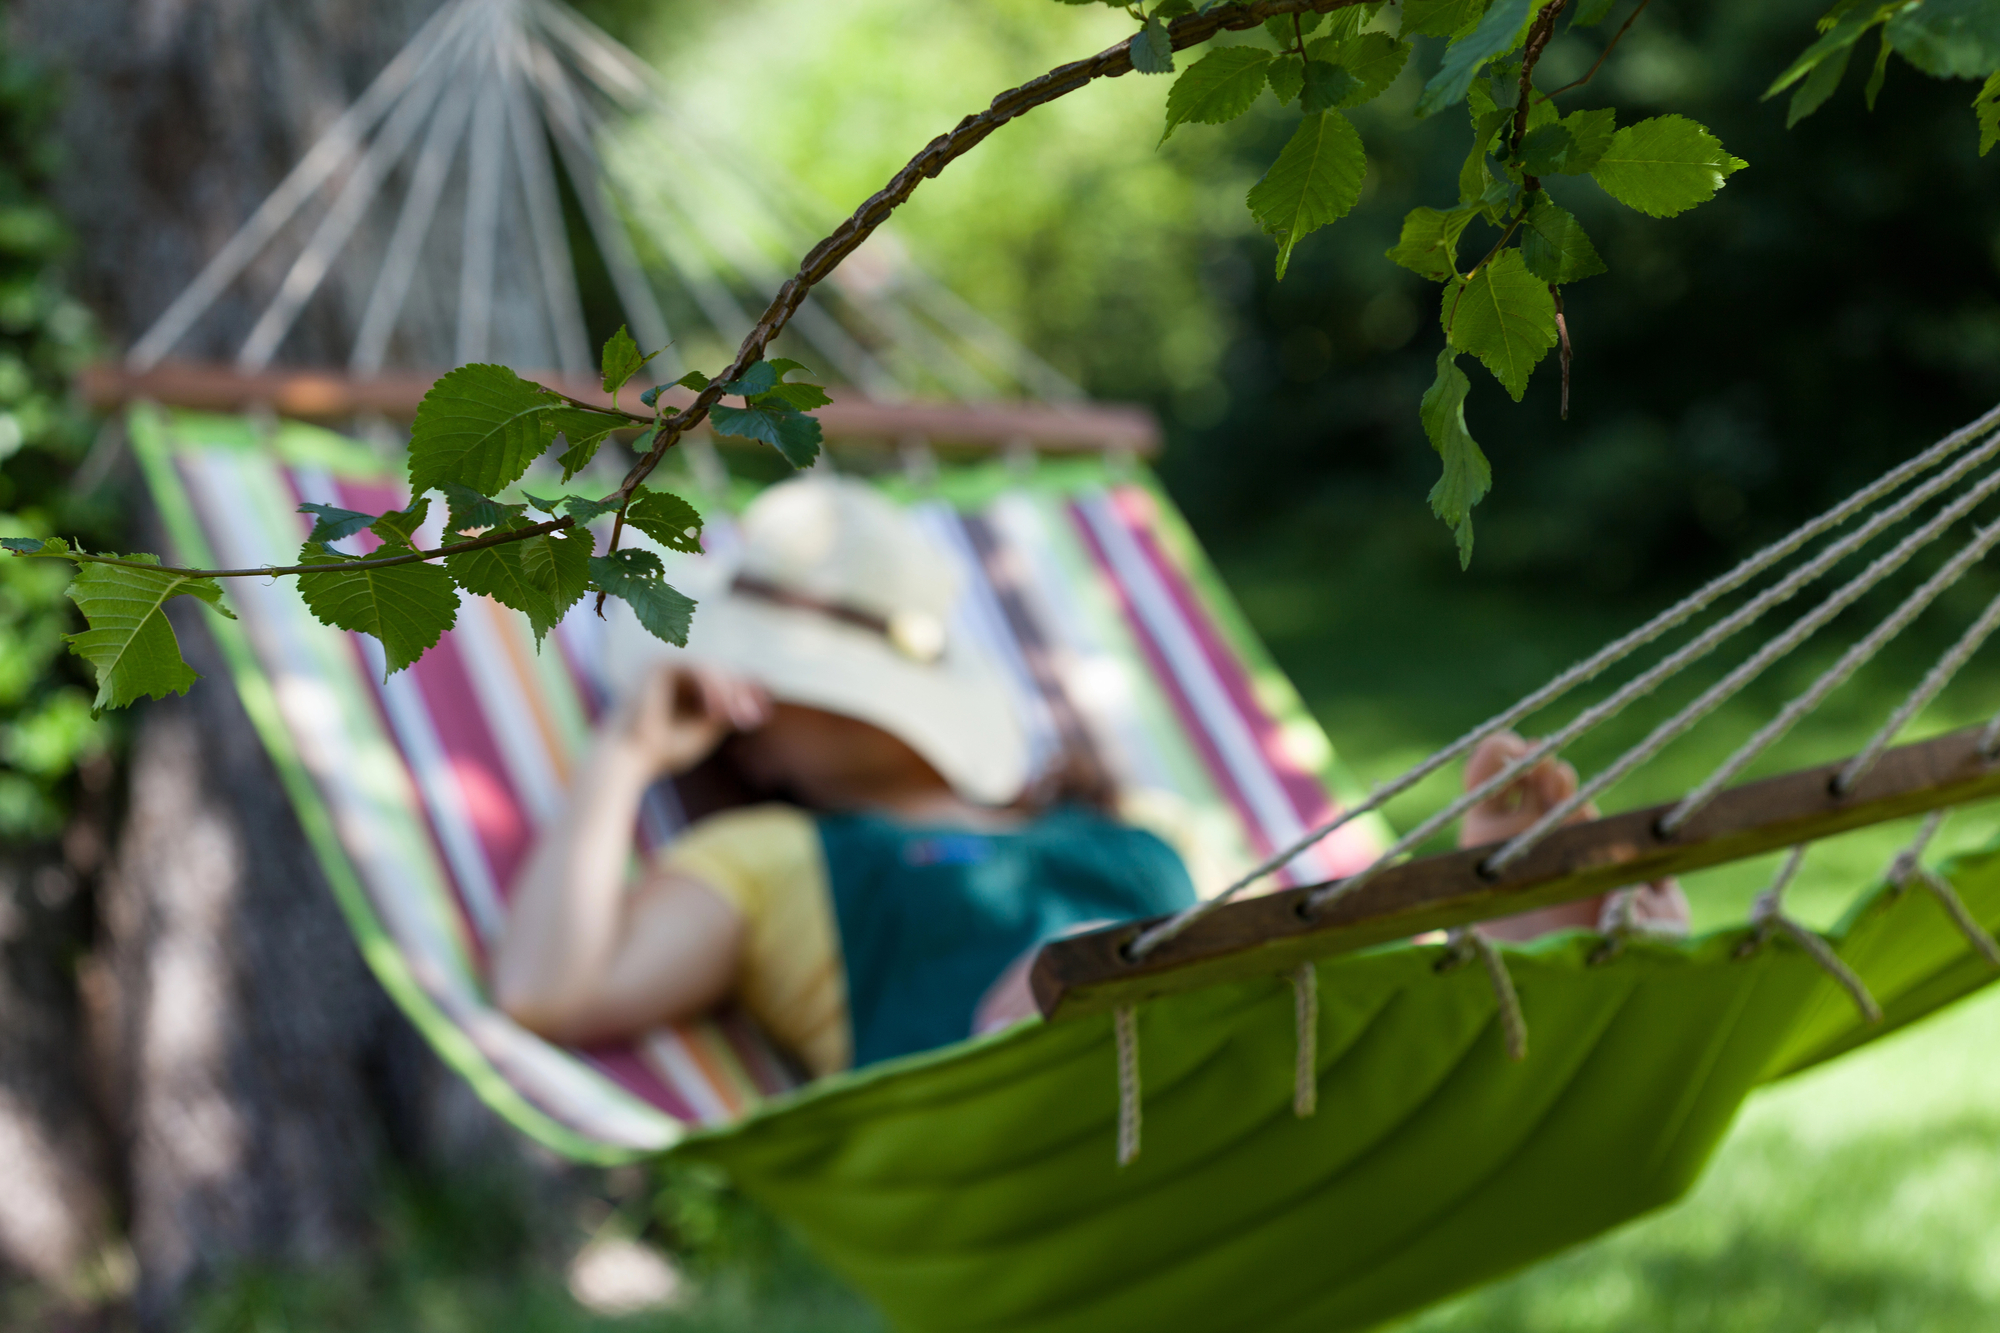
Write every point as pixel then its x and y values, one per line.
pixel 1516 806
pixel 677 715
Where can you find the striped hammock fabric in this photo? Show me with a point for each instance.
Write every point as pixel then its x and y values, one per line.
pixel 422 792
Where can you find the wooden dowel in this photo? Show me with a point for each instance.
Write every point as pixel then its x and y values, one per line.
pixel 316 395
pixel 1267 936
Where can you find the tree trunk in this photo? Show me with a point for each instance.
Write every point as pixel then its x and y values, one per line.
pixel 252 1080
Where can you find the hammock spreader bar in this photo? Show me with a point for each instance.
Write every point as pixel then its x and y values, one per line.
pixel 1088 973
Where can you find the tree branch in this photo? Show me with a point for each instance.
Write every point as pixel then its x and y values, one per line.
pixel 1623 28
pixel 497 538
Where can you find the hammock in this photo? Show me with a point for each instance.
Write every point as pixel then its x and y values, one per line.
pixel 977 1187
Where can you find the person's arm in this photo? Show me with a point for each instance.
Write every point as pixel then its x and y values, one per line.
pixel 583 957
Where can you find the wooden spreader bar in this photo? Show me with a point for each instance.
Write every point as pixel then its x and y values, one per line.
pixel 321 395
pixel 1267 936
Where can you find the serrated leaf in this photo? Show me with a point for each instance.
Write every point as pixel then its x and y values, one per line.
pixel 1286 77
pixel 1325 86
pixel 405 607
pixel 1441 18
pixel 1949 39
pixel 1467 476
pixel 399 526
pixel 1315 180
pixel 803 397
pixel 792 433
pixel 667 519
pixel 1494 35
pixel 1429 243
pixel 757 379
pixel 1986 110
pixel 501 572
pixel 1172 9
pixel 1217 88
pixel 469 511
pixel 481 426
pixel 784 365
pixel 583 509
pixel 332 523
pixel 1664 166
pixel 1590 134
pixel 1545 151
pixel 1474 178
pixel 40 545
pixel 1504 315
pixel 1373 60
pixel 129 642
pixel 694 379
pixel 1553 244
pixel 635 576
pixel 1817 86
pixel 1284 29
pixel 1153 49
pixel 620 361
pixel 1843 34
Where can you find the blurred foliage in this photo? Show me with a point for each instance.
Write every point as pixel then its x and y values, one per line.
pixel 45 722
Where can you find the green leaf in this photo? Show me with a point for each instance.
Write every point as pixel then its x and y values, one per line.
pixel 757 379
pixel 1986 108
pixel 1546 150
pixel 1285 28
pixel 1217 88
pixel 635 576
pixel 1474 179
pixel 1495 35
pixel 694 379
pixel 621 361
pixel 792 433
pixel 1325 87
pixel 1467 476
pixel 1172 9
pixel 1441 18
pixel 1844 34
pixel 1819 85
pixel 1429 243
pixel 583 509
pixel 332 523
pixel 399 526
pixel 1590 13
pixel 481 426
pixel 667 519
pixel 1373 59
pixel 129 641
pixel 1949 39
pixel 561 569
pixel 406 607
pixel 1505 316
pixel 1153 49
pixel 1553 244
pixel 1664 166
pixel 1591 133
pixel 469 511
pixel 1315 180
pixel 41 545
pixel 803 397
pixel 1879 73
pixel 1287 78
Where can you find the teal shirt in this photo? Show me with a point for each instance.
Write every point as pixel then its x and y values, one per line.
pixel 929 918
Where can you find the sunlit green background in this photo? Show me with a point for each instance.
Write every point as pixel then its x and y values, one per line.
pixel 1741 366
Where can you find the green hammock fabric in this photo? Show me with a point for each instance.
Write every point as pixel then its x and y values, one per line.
pixel 975 1188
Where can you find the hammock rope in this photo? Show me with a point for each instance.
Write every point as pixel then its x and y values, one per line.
pixel 1125 1024
pixel 1933 683
pixel 1679 613
pixel 1767 917
pixel 1305 1017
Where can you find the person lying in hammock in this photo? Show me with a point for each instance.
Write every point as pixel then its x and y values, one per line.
pixel 889 897
pixel 868 909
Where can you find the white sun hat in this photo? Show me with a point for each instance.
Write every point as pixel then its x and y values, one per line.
pixel 834 599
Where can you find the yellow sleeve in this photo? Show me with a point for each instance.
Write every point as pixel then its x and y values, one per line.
pixel 766 861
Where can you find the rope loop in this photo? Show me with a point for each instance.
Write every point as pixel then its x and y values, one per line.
pixel 1305 1018
pixel 1469 942
pixel 1125 1025
pixel 1768 917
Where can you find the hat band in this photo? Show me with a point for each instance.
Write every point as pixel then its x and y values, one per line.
pixel 914 634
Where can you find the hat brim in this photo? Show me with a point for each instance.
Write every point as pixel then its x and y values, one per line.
pixel 955 712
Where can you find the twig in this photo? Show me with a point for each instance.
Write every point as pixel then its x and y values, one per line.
pixel 1538 39
pixel 260 571
pixel 1562 341
pixel 1623 28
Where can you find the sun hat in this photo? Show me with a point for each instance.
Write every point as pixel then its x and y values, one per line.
pixel 833 598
